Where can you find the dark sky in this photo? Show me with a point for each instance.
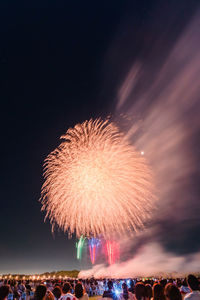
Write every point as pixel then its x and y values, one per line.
pixel 61 63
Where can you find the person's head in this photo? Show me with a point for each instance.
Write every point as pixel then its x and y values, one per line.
pixel 148 291
pixel 125 291
pixel 124 286
pixel 66 288
pixel 184 282
pixel 172 292
pixel 110 285
pixel 193 282
pixel 140 290
pixel 132 286
pixel 158 292
pixel 28 287
pixel 40 292
pixel 4 291
pixel 163 282
pixel 132 283
pixel 178 282
pixel 57 292
pixel 78 290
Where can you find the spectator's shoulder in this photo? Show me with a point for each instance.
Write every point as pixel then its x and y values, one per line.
pixel 188 296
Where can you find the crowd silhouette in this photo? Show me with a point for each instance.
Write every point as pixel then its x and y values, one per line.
pixel 122 289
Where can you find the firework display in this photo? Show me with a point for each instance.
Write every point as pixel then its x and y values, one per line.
pixel 96 182
pixel 109 248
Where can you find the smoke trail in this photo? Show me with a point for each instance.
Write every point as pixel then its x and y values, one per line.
pixel 168 109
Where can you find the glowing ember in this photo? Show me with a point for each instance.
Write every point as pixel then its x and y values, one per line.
pixel 96 183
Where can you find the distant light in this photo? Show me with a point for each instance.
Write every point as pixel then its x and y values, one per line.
pixel 117 292
pixel 142 152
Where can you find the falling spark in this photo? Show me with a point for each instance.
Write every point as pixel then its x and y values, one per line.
pixel 93 245
pixel 97 183
pixel 112 251
pixel 79 247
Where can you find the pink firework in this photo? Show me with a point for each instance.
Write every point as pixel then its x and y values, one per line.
pixel 97 183
pixel 112 251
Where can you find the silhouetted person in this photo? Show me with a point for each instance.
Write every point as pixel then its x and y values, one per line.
pixel 57 292
pixel 4 291
pixel 172 292
pixel 66 295
pixel 158 292
pixel 109 293
pixel 40 292
pixel 79 292
pixel 125 293
pixel 148 291
pixel 140 291
pixel 193 284
pixel 132 287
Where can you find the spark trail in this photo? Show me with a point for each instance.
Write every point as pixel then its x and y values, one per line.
pixel 93 245
pixel 112 251
pixel 79 246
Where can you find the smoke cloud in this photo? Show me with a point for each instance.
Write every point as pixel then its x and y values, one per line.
pixel 152 260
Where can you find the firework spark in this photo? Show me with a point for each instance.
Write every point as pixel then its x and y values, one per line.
pixel 79 246
pixel 93 245
pixel 96 183
pixel 112 251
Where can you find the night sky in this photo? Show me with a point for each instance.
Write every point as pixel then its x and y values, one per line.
pixel 62 63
